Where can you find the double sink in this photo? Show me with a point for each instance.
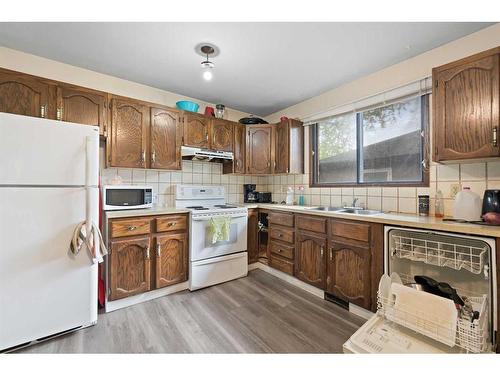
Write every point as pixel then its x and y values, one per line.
pixel 346 210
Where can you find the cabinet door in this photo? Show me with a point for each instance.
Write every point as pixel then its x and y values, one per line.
pixel 129 267
pixel 129 124
pixel 221 135
pixel 196 129
pixel 171 259
pixel 81 106
pixel 466 106
pixel 23 94
pixel 259 149
pixel 239 148
pixel 349 273
pixel 310 259
pixel 282 145
pixel 165 139
pixel 253 233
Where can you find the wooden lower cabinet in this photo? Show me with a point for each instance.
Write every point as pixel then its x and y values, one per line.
pixel 155 259
pixel 129 267
pixel 253 236
pixel 171 259
pixel 310 259
pixel 348 273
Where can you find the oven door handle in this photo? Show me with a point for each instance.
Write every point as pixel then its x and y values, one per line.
pixel 208 218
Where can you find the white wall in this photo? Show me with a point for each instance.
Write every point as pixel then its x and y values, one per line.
pixel 42 67
pixel 477 176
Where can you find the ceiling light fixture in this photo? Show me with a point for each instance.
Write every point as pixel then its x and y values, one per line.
pixel 207 65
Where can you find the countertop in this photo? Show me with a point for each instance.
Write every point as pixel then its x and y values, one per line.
pixel 408 220
pixel 145 212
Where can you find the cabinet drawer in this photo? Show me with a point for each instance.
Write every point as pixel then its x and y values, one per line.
pixel 282 234
pixel 312 224
pixel 130 227
pixel 351 230
pixel 285 251
pixel 171 223
pixel 281 264
pixel 281 218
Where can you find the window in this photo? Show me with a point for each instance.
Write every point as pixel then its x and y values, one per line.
pixel 378 146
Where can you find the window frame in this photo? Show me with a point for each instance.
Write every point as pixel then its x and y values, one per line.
pixel 314 165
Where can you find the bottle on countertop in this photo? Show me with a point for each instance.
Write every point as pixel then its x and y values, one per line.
pixel 439 205
pixel 302 200
pixel 467 205
pixel 289 195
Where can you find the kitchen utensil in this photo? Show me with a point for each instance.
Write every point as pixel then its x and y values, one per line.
pixel 491 201
pixel 251 120
pixel 209 111
pixel 220 108
pixel 186 105
pixel 440 289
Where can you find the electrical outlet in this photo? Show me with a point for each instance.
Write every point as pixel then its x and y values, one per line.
pixel 454 189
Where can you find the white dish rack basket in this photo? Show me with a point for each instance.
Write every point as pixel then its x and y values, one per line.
pixel 472 337
pixel 467 254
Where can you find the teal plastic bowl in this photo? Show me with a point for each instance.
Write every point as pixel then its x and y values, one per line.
pixel 186 105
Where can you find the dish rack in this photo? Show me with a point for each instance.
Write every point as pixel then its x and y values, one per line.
pixel 438 250
pixel 472 337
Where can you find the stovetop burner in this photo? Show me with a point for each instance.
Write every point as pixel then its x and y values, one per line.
pixel 224 206
pixel 197 208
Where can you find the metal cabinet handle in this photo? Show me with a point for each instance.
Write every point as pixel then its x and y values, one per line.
pixel 279 250
pixel 158 250
pixel 143 157
pixel 206 137
pixel 153 156
pixel 172 224
pixel 331 254
pixel 280 235
pixel 495 136
pixel 42 111
pixel 132 227
pixel 147 252
pixel 322 251
pixel 59 113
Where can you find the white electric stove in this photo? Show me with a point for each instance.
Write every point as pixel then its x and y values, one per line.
pixel 213 263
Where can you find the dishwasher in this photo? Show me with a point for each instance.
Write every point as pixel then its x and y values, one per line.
pixel 437 295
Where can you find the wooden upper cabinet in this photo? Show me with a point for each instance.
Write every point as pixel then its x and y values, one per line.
pixel 171 259
pixel 466 108
pixel 128 138
pixel 129 267
pixel 196 130
pixel 260 149
pixel 221 135
pixel 26 95
pixel 289 146
pixel 82 106
pixel 310 259
pixel 349 273
pixel 166 139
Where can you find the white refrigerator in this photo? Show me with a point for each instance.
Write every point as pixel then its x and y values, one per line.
pixel 48 185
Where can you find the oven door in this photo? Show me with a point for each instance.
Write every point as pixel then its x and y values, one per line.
pixel 201 246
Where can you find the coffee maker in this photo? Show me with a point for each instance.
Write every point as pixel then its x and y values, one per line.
pixel 249 193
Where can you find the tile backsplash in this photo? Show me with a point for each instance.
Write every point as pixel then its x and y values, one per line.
pixel 193 172
pixel 447 178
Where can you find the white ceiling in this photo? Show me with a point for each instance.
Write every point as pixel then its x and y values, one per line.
pixel 262 67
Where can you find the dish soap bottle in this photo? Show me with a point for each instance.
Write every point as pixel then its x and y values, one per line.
pixel 439 205
pixel 289 196
pixel 302 201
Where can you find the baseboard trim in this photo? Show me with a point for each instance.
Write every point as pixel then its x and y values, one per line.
pixel 361 312
pixel 289 279
pixel 148 296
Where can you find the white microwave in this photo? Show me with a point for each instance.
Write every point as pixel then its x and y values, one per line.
pixel 126 197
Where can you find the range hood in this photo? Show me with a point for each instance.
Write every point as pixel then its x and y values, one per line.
pixel 194 153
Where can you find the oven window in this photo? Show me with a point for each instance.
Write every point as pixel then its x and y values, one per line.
pixel 124 197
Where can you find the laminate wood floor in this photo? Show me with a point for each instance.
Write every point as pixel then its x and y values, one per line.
pixel 256 314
